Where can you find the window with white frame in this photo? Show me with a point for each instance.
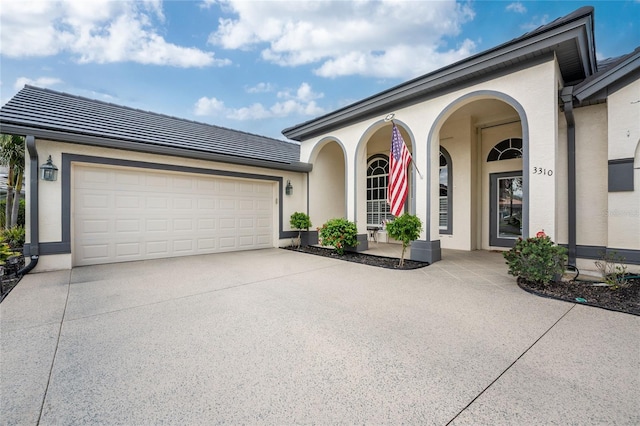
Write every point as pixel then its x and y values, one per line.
pixel 377 181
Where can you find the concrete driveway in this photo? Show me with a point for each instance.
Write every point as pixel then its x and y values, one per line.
pixel 276 337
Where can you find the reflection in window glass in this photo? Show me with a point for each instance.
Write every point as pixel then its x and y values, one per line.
pixel 509 207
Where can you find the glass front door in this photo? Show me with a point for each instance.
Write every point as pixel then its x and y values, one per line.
pixel 505 208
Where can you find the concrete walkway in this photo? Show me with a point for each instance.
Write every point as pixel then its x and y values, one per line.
pixel 277 337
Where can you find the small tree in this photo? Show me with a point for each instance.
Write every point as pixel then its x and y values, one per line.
pixel 405 228
pixel 339 233
pixel 300 221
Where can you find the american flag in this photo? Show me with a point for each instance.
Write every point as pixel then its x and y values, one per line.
pixel 399 159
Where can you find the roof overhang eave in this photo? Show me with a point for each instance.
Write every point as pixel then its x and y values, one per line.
pixel 629 66
pixel 503 56
pixel 39 133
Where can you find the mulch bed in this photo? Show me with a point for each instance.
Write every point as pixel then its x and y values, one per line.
pixel 625 300
pixel 9 279
pixel 365 259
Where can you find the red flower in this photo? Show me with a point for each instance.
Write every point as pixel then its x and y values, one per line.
pixel 541 234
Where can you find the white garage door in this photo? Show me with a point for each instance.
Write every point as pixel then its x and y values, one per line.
pixel 124 214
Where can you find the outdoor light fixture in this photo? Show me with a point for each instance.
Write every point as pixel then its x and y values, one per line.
pixel 289 188
pixel 48 171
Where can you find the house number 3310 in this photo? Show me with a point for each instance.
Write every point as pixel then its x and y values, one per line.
pixel 541 171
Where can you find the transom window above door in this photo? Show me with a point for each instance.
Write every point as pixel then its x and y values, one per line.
pixel 506 150
pixel 377 181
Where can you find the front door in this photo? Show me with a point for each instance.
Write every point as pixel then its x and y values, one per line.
pixel 505 211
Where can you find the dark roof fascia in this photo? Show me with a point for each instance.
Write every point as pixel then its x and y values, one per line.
pixel 623 72
pixel 150 149
pixel 580 29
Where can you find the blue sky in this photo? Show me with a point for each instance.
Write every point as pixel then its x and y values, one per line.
pixel 262 66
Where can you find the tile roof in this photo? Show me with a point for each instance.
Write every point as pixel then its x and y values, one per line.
pixel 46 113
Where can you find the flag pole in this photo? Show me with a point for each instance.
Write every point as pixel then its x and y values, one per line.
pixel 389 118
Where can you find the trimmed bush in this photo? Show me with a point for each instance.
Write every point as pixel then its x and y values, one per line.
pixel 536 259
pixel 338 233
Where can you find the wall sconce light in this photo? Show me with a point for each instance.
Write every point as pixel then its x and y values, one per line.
pixel 48 171
pixel 289 188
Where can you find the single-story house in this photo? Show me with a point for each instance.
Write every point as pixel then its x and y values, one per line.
pixel 534 134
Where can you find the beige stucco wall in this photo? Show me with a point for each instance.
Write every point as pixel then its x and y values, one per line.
pixel 624 121
pixel 591 175
pixel 534 88
pixel 623 211
pixel 327 183
pixel 50 193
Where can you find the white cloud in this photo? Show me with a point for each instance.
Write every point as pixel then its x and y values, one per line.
pixel 300 102
pixel 40 82
pixel 516 7
pixel 260 88
pixel 208 106
pixel 100 31
pixel 367 37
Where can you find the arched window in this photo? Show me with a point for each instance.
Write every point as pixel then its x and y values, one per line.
pixel 506 150
pixel 377 180
pixel 446 192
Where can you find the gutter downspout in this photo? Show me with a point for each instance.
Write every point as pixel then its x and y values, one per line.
pixel 34 244
pixel 567 99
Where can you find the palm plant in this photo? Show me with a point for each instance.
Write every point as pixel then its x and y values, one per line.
pixel 12 156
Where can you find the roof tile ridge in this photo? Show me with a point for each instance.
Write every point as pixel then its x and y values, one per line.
pixel 157 114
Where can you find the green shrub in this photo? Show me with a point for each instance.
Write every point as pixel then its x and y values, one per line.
pixel 6 252
pixel 536 259
pixel 405 228
pixel 339 233
pixel 14 237
pixel 21 214
pixel 300 221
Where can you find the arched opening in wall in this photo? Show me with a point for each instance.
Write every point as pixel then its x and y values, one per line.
pixel 483 139
pixel 372 180
pixel 327 183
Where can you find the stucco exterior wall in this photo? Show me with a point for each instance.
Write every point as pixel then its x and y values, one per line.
pixel 591 175
pixel 623 212
pixel 326 183
pixel 50 193
pixel 624 121
pixel 458 138
pixel 534 89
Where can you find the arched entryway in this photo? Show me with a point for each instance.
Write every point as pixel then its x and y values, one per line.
pixel 372 175
pixel 327 182
pixel 481 150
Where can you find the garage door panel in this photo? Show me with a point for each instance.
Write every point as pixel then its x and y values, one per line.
pixel 134 214
pixel 127 225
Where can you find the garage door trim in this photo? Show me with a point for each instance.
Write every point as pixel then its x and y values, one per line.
pixel 64 246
